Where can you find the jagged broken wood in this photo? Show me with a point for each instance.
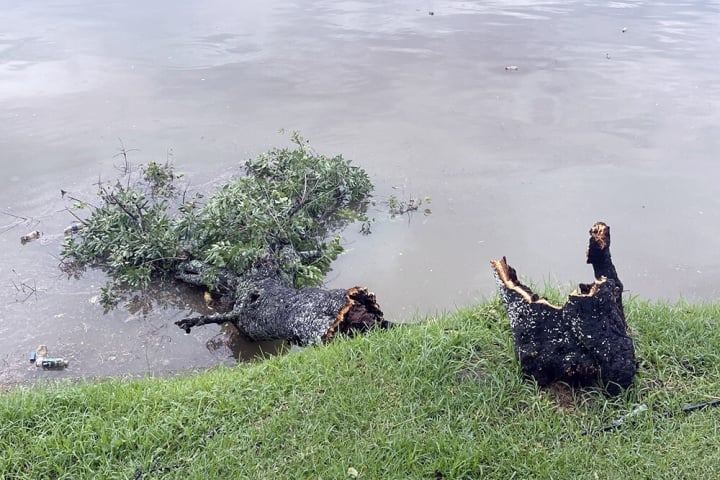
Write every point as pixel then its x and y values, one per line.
pixel 268 307
pixel 585 342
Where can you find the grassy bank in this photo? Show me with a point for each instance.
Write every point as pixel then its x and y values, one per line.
pixel 444 399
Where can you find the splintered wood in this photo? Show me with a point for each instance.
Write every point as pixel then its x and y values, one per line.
pixel 584 342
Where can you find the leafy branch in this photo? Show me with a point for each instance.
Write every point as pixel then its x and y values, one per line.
pixel 285 209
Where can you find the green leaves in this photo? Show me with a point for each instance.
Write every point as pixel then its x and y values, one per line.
pixel 285 207
pixel 237 257
pixel 160 179
pixel 289 199
pixel 397 207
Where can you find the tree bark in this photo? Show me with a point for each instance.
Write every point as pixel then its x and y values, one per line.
pixel 268 307
pixel 584 342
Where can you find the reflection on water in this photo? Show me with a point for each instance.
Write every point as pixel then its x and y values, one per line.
pixel 612 115
pixel 229 342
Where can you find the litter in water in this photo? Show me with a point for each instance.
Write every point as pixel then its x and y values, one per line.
pixel 34 235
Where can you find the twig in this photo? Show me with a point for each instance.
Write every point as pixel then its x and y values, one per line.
pixel 74 215
pixel 219 318
pixel 700 406
pixel 617 423
pixel 19 220
pixel 302 201
pixel 30 294
pixel 116 201
pixel 74 199
pixel 641 408
pixel 162 259
pixel 124 153
pixel 24 287
pixel 7 228
pixel 16 216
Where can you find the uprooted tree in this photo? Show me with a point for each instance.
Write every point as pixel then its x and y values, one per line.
pixel 585 342
pixel 261 243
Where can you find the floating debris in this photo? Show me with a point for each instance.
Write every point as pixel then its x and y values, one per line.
pixel 207 296
pixel 52 363
pixel 73 228
pixel 40 357
pixel 34 235
pixel 41 351
pixel 624 29
pixel 512 68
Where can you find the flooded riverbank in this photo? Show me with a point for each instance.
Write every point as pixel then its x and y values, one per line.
pixel 611 115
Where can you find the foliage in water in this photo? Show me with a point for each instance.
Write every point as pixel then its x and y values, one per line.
pixel 286 207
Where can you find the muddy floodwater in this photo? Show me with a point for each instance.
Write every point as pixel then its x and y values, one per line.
pixel 611 112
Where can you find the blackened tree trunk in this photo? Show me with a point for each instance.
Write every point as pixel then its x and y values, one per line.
pixel 585 342
pixel 268 307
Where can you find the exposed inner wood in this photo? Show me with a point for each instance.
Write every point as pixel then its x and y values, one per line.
pixel 360 313
pixel 508 276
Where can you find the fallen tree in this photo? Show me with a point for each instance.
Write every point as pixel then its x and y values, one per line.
pixel 585 342
pixel 262 242
pixel 267 307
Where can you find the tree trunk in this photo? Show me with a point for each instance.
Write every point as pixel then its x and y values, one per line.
pixel 268 307
pixel 585 342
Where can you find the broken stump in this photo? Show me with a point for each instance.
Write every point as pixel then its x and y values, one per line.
pixel 583 343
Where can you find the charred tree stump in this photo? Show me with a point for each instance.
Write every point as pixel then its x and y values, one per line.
pixel 584 342
pixel 268 307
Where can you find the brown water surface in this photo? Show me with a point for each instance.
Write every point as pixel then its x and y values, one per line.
pixel 613 114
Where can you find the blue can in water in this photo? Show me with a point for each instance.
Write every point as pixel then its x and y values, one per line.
pixel 33 357
pixel 73 228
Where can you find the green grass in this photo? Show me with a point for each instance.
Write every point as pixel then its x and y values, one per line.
pixel 443 399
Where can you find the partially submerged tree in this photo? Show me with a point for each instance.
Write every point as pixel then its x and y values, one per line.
pixel 262 242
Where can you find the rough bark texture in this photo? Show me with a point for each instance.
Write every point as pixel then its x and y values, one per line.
pixel 268 307
pixel 583 343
